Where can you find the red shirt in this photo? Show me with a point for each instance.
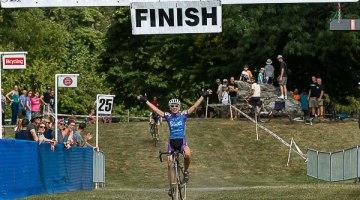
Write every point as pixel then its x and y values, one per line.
pixel 155 103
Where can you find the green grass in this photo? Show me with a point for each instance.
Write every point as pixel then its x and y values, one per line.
pixel 225 154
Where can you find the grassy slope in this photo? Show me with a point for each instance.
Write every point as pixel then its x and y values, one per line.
pixel 225 154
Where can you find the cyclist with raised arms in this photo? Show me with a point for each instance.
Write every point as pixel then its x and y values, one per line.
pixel 176 121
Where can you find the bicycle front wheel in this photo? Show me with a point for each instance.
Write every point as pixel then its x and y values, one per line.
pixel 181 184
pixel 172 182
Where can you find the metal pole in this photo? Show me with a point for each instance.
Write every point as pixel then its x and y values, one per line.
pixel 128 116
pixel 207 103
pixel 97 120
pixel 56 106
pixel 256 126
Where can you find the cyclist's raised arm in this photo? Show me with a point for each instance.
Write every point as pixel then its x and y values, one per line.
pixel 154 108
pixel 198 102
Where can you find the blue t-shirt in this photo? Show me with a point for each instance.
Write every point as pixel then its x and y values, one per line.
pixel 304 102
pixel 176 124
pixel 23 100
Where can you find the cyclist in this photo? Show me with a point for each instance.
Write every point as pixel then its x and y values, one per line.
pixel 156 119
pixel 176 121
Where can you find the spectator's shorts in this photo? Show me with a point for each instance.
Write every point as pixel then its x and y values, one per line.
pixel 255 101
pixel 233 100
pixel 283 81
pixel 177 144
pixel 313 103
pixel 269 80
pixel 321 102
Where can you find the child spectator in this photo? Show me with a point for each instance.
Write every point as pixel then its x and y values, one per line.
pixel 246 74
pixel 304 101
pixel 261 79
pixel 296 94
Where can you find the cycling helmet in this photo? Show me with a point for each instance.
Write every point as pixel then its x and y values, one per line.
pixel 174 101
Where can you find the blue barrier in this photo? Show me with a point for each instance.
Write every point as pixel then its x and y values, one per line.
pixel 27 168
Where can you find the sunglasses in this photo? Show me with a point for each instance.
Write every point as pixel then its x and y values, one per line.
pixel 48 122
pixel 42 126
pixel 174 106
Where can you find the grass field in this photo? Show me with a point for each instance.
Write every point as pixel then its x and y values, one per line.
pixel 227 161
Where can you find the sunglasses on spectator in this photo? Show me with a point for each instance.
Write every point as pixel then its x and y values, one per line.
pixel 174 105
pixel 42 126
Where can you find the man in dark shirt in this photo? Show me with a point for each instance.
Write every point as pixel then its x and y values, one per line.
pixel 46 97
pixel 32 128
pixel 313 95
pixel 283 77
pixel 233 90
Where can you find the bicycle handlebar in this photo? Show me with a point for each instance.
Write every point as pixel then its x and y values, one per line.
pixel 168 154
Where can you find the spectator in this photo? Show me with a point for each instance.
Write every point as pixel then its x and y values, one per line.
pixel 246 74
pixel 46 99
pixel 35 103
pixel 261 79
pixel 296 94
pixel 282 77
pixel 49 133
pixel 80 141
pixel 68 134
pixel 255 94
pixel 312 97
pixel 320 97
pixel 91 119
pixel 233 90
pixel 14 102
pixel 22 134
pixel 219 89
pixel 41 136
pixel 3 109
pixel 22 105
pixel 304 103
pixel 225 98
pixel 155 102
pixel 61 128
pixel 28 105
pixel 269 72
pixel 52 99
pixel 32 128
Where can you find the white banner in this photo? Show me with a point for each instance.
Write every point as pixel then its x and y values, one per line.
pixel 176 17
pixel 14 61
pixel 105 104
pixel 77 3
pixel 67 80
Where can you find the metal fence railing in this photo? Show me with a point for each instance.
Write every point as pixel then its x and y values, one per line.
pixel 334 166
pixel 99 169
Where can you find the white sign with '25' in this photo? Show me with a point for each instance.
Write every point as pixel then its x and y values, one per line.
pixel 105 104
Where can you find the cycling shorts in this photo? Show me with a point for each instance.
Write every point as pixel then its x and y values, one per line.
pixel 177 144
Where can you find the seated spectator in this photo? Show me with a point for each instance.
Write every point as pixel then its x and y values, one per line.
pixel 49 133
pixel 68 134
pixel 22 133
pixel 296 94
pixel 246 74
pixel 79 140
pixel 32 128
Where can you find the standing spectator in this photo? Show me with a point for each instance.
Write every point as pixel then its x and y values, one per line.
pixel 219 89
pixel 261 79
pixel 320 97
pixel 225 99
pixel 14 102
pixel 254 95
pixel 233 90
pixel 282 77
pixel 35 103
pixel 3 109
pixel 68 134
pixel 269 72
pixel 91 117
pixel 22 104
pixel 312 97
pixel 155 102
pixel 32 128
pixel 28 105
pixel 22 134
pixel 296 94
pixel 46 98
pixel 52 99
pixel 304 103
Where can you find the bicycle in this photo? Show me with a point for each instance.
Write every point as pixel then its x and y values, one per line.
pixel 176 179
pixel 154 132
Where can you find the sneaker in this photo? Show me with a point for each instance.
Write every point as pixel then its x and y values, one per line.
pixel 281 97
pixel 186 176
pixel 285 97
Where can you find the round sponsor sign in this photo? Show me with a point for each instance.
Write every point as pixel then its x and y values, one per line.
pixel 67 81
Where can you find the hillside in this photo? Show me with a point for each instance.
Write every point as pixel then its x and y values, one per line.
pixel 227 162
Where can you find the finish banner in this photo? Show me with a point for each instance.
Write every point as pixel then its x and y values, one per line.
pixel 176 17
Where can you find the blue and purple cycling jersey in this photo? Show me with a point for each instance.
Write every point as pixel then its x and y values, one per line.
pixel 176 124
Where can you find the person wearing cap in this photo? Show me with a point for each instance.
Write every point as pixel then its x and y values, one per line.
pixel 282 77
pixel 269 72
pixel 32 128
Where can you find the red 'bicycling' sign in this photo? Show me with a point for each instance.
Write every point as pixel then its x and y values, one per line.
pixel 14 62
pixel 67 81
